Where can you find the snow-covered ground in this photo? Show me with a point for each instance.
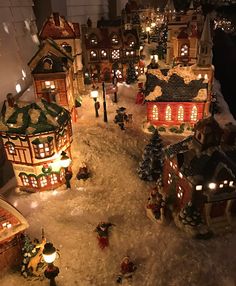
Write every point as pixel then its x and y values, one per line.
pixel 165 256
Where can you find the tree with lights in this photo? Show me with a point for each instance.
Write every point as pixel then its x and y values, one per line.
pixel 150 168
pixel 131 76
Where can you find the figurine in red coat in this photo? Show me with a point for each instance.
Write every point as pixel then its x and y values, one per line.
pixel 103 232
pixel 127 268
pixel 140 96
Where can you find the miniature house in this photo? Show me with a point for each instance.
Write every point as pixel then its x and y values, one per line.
pixel 52 71
pixel 67 36
pixel 34 136
pixel 182 94
pixel 201 169
pixel 110 48
pixel 11 227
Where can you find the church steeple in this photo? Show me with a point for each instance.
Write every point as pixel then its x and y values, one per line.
pixel 205 45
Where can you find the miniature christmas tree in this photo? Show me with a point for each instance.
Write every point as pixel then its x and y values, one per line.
pixel 131 74
pixel 150 168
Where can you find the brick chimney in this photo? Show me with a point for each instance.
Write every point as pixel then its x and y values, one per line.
pixel 56 19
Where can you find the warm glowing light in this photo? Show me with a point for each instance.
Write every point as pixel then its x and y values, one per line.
pixel 231 183
pixel 49 253
pixel 155 112
pixel 18 88
pixel 225 182
pixel 221 185
pixel 198 187
pixel 148 29
pixel 212 186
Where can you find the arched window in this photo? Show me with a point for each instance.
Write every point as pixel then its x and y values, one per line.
pixel 47 64
pixel 93 39
pixel 180 193
pixel 184 50
pixel 181 113
pixel 155 112
pixel 168 113
pixel 104 54
pixel 193 116
pixel 114 39
pixel 93 55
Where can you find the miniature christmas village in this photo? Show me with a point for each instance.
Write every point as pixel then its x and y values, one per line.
pixel 121 149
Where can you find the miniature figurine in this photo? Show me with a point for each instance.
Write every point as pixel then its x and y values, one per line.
pixel 156 205
pixel 140 96
pixel 121 117
pixel 68 176
pixel 83 173
pixel 103 232
pixel 127 268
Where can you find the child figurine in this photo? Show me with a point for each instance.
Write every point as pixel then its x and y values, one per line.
pixel 156 203
pixel 83 173
pixel 103 232
pixel 121 117
pixel 127 269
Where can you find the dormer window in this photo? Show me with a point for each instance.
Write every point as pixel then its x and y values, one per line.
pixel 43 148
pixel 47 64
pixel 114 39
pixel 93 40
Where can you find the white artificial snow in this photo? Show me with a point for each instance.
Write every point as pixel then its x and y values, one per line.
pixel 165 256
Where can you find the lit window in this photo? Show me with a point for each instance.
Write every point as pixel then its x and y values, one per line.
pixel 10 148
pixel 24 180
pixel 18 88
pixel 53 179
pixel 33 182
pixel 62 139
pixel 198 187
pixel 212 186
pixel 93 40
pixel 93 55
pixel 47 64
pixel 23 73
pixel 168 113
pixel 6 224
pixel 184 51
pixel 180 175
pixel 114 40
pixel 194 113
pixel 104 54
pixel 62 174
pixel 43 148
pixel 115 54
pixel 231 183
pixel 180 193
pixel 181 113
pixel 67 47
pixel 155 112
pixel 43 181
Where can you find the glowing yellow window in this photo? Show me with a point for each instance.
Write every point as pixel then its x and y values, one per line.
pixel 181 113
pixel 194 113
pixel 168 113
pixel 155 112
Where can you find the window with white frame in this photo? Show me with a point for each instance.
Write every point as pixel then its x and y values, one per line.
pixel 33 181
pixel 181 113
pixel 48 84
pixel 25 180
pixel 43 181
pixel 10 148
pixel 115 54
pixel 184 50
pixel 43 148
pixel 193 116
pixel 180 193
pixel 168 113
pixel 53 178
pixel 155 112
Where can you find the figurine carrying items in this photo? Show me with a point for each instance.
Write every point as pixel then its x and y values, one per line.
pixel 121 117
pixel 127 269
pixel 103 234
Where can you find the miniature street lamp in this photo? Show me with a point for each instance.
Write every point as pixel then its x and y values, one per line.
pixel 104 102
pixel 114 81
pixel 65 163
pixel 140 50
pixel 49 256
pixel 94 95
pixel 148 29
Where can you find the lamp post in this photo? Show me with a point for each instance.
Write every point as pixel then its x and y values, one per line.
pixel 94 96
pixel 148 29
pixel 104 102
pixel 49 256
pixel 65 163
pixel 114 81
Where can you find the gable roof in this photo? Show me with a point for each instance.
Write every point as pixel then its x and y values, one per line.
pixel 16 221
pixel 57 27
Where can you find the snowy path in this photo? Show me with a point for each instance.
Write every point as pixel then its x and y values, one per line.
pixel 165 256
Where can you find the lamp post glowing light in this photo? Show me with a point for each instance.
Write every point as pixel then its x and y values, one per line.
pixel 49 256
pixel 94 96
pixel 65 163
